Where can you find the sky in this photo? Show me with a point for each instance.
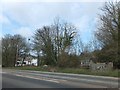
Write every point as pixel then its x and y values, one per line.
pixel 24 17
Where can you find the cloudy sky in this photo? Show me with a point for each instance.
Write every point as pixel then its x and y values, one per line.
pixel 24 17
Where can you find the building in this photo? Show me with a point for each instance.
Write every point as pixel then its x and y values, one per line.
pixel 94 65
pixel 29 61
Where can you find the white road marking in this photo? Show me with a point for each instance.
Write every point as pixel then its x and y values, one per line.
pixel 46 76
pixel 3 72
pixel 50 80
pixel 56 73
pixel 65 78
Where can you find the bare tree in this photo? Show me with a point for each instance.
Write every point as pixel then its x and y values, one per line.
pixel 107 33
pixel 12 48
pixel 43 43
pixel 53 41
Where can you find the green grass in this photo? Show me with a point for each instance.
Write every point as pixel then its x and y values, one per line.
pixel 112 73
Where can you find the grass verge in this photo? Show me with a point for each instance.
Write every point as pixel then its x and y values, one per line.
pixel 111 73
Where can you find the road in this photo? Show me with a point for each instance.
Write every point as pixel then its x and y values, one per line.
pixel 35 79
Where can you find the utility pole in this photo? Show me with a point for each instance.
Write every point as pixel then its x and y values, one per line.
pixel 17 49
pixel 16 53
pixel 29 51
